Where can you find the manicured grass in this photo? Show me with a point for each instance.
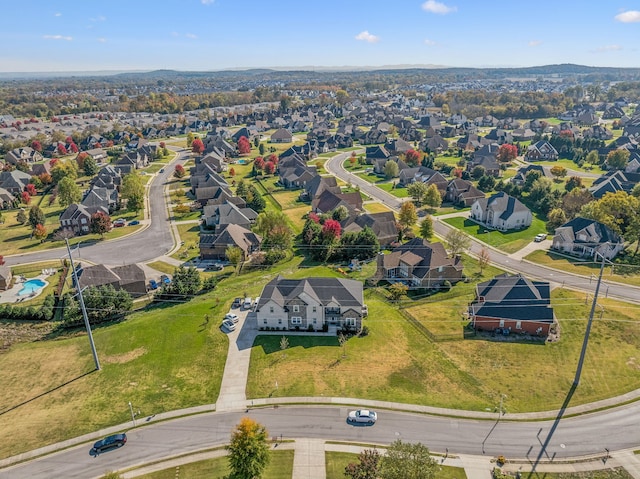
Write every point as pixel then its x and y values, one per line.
pixel 509 242
pixel 165 359
pixel 280 467
pixel 574 266
pixel 335 463
pixel 375 207
pixel 570 165
pixel 616 473
pixel 189 237
pixel 162 267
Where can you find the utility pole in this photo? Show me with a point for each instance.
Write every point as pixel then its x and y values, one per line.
pixel 82 307
pixel 585 342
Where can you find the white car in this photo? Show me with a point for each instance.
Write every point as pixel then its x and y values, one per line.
pixel 229 325
pixel 540 237
pixel 231 317
pixel 363 416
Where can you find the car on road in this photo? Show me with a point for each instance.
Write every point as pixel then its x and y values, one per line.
pixel 229 325
pixel 365 416
pixel 161 170
pixel 237 302
pixel 232 317
pixel 540 237
pixel 214 267
pixel 134 223
pixel 109 442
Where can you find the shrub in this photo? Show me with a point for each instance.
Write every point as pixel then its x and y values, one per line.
pixel 364 331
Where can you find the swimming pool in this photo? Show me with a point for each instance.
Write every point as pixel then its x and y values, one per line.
pixel 242 162
pixel 31 286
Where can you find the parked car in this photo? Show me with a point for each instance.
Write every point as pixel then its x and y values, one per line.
pixel 153 284
pixel 109 442
pixel 232 317
pixel 165 279
pixel 134 223
pixel 363 416
pixel 119 222
pixel 540 237
pixel 247 303
pixel 229 325
pixel 214 267
pixel 255 303
pixel 237 302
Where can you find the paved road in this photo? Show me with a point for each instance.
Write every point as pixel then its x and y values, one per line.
pixel 502 260
pixel 152 242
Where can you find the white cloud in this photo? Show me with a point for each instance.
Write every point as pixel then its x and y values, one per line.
pixel 535 43
pixel 207 2
pixel 57 37
pixel 102 40
pixel 630 16
pixel 437 7
pixel 101 18
pixel 191 35
pixel 608 48
pixel 367 37
pixel 175 34
pixel 57 14
pixel 431 43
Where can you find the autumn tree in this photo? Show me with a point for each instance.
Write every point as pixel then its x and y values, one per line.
pixel 408 215
pixel 274 228
pixel 556 218
pixel 432 197
pixel 197 146
pixel 457 241
pixel 40 232
pixel 100 223
pixel 269 168
pixel 617 159
pixel 366 467
pixel 507 153
pixel 572 183
pixel 190 138
pixel 31 189
pixel 484 258
pixel 179 171
pixel 397 291
pixel 558 171
pixel 331 230
pixel 235 255
pixel 68 192
pixel 248 450
pixel 592 158
pixel 405 460
pixel 64 169
pixel 244 147
pixel 36 216
pixel 25 198
pixel 258 163
pixel 342 97
pixel 36 145
pixel 412 157
pixel 574 200
pixel 426 227
pixel 232 172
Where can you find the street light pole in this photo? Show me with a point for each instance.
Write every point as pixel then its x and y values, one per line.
pixel 585 342
pixel 82 307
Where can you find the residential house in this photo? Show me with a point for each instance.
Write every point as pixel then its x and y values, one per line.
pixel 281 135
pixel 294 172
pixel 316 186
pixel 541 150
pixel 424 175
pixel 214 246
pixel 23 154
pixel 77 217
pixel 614 181
pixel 14 181
pixel 585 238
pixel 419 264
pixel 486 157
pixel 130 278
pixel 311 304
pixel 521 175
pixel 513 304
pixel 328 201
pixel 462 192
pixel 7 200
pixel 383 225
pixel 218 216
pixel 502 212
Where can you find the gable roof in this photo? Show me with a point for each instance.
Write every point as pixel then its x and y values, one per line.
pixel 345 292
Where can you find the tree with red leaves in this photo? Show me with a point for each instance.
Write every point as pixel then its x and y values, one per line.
pixel 53 162
pixel 73 147
pixel 163 144
pixel 25 198
pixel 244 147
pixel 314 217
pixel 197 146
pixel 331 230
pixel 40 232
pixel 258 163
pixel 232 172
pixel 269 168
pixel 109 144
pixel 68 139
pixel 31 189
pixel 507 153
pixel 98 145
pixel 273 158
pixel 62 149
pixel 80 159
pixel 1 260
pixel 36 145
pixel 179 171
pixel 100 223
pixel 412 157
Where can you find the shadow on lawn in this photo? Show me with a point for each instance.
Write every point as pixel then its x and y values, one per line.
pixel 23 403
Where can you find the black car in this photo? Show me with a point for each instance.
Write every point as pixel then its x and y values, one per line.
pixel 109 442
pixel 237 302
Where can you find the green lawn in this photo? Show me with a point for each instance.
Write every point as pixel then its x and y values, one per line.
pixel 615 473
pixel 570 165
pixel 336 462
pixel 574 266
pixel 189 239
pixel 509 242
pixel 280 467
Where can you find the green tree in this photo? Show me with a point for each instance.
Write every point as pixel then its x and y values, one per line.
pixel 391 169
pixel 366 468
pixel 248 450
pixel 68 192
pixel 340 213
pixel 457 241
pixel 426 227
pixel 274 228
pixel 36 216
pixel 408 215
pixel 558 171
pixel 592 158
pixel 574 200
pixel 432 197
pixel 617 159
pixel 235 255
pixel 555 218
pixel 132 190
pixel 397 291
pixel 405 460
pixel 100 223
pixel 190 138
pixel 90 166
pixel 417 190
pixel 342 97
pixel 21 217
pixel 64 169
pixel 572 183
pixel 185 282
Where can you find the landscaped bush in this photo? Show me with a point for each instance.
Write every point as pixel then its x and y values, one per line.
pixel 29 313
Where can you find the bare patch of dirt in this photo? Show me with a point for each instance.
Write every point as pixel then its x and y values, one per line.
pixel 125 357
pixel 12 332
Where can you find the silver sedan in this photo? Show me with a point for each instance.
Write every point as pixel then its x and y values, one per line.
pixel 362 416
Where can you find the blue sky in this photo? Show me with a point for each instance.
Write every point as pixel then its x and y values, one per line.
pixel 88 35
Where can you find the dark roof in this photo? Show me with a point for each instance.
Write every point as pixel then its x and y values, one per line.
pixel 345 292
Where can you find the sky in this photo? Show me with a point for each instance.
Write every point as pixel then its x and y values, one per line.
pixel 207 35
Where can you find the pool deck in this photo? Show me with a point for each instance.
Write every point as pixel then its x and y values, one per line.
pixel 11 295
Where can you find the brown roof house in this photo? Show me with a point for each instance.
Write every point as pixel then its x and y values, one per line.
pixel 130 278
pixel 214 246
pixel 419 264
pixel 311 304
pixel 462 192
pixel 513 304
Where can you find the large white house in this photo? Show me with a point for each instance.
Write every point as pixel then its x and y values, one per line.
pixel 501 212
pixel 311 304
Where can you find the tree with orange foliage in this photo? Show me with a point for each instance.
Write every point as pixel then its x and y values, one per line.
pixel 248 450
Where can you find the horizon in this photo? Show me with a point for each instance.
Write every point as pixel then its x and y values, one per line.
pixel 221 35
